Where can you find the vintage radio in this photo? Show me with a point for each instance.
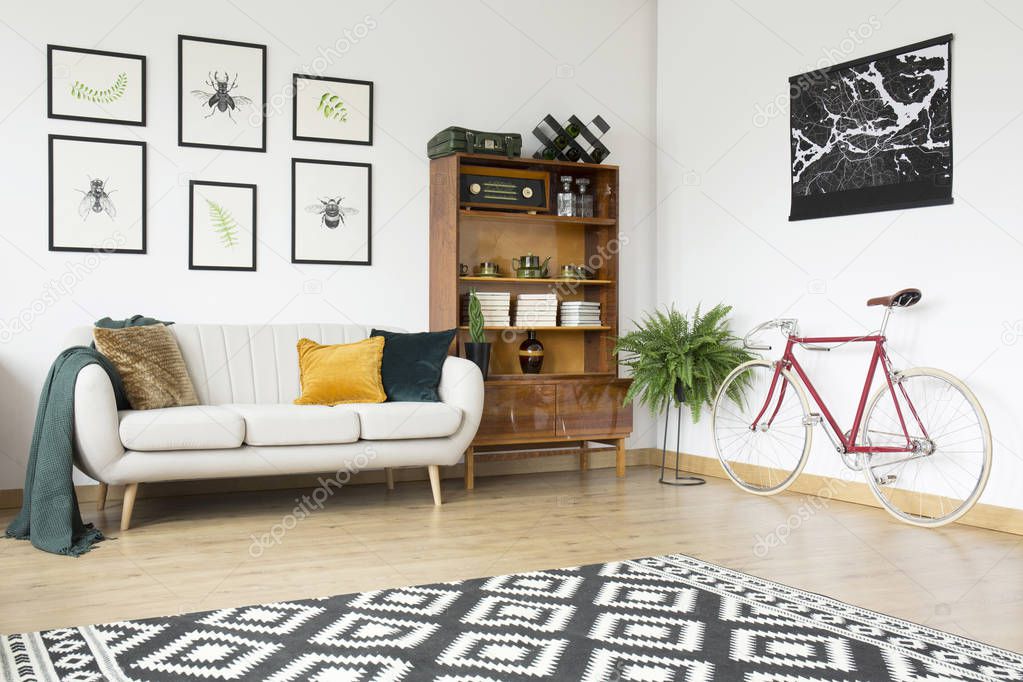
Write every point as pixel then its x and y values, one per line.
pixel 507 189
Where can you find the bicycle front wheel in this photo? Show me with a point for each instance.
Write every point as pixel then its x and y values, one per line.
pixel 946 473
pixel 762 455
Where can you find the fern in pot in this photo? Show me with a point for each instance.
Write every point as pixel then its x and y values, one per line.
pixel 679 360
pixel 477 349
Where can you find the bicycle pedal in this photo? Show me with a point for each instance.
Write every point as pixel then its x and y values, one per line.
pixel 887 480
pixel 812 419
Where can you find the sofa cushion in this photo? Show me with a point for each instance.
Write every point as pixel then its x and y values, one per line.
pixel 396 421
pixel 412 364
pixel 298 424
pixel 199 427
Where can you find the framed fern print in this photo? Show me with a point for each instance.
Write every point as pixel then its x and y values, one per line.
pixel 221 226
pixel 93 85
pixel 328 109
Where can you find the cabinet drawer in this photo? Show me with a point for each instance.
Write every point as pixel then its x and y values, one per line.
pixel 518 412
pixel 593 408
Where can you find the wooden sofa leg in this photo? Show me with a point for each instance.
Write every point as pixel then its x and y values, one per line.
pixel 470 469
pixel 389 474
pixel 130 491
pixel 101 497
pixel 434 471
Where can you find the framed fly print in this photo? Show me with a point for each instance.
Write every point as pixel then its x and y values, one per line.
pixel 221 226
pixel 221 94
pixel 94 85
pixel 97 194
pixel 331 212
pixel 328 109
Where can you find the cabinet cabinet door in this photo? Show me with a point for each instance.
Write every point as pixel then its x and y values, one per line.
pixel 593 408
pixel 524 412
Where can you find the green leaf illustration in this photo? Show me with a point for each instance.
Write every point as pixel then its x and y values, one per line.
pixel 223 224
pixel 80 90
pixel 332 108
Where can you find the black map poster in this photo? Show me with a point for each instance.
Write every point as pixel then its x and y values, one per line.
pixel 873 134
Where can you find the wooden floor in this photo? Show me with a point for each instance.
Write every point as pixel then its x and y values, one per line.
pixel 197 553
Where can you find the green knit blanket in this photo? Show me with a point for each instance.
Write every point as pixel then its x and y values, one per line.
pixel 49 515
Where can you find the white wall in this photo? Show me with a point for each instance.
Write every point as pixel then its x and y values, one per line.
pixel 724 236
pixel 494 65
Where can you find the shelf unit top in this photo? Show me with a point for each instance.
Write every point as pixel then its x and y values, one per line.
pixel 513 328
pixel 495 160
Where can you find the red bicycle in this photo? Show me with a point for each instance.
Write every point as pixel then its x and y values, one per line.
pixel 922 439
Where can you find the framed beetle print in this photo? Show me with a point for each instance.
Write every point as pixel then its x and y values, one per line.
pixel 221 94
pixel 94 85
pixel 331 212
pixel 328 109
pixel 221 226
pixel 97 194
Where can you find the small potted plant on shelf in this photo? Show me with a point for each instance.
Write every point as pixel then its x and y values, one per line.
pixel 677 360
pixel 478 349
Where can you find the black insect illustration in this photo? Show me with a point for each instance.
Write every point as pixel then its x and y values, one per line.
pixel 332 213
pixel 96 199
pixel 221 99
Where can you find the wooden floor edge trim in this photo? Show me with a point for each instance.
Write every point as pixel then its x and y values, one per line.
pixel 990 516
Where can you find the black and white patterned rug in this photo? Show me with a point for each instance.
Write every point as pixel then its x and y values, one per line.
pixel 662 619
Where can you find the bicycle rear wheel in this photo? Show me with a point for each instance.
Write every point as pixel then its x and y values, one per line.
pixel 767 459
pixel 947 473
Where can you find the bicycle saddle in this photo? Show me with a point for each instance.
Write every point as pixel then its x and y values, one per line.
pixel 900 299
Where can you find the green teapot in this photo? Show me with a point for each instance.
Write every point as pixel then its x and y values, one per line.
pixel 530 267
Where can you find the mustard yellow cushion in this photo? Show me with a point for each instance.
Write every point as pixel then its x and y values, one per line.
pixel 342 373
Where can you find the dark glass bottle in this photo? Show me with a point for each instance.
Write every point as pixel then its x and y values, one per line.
pixel 531 354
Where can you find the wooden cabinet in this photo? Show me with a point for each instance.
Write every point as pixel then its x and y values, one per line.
pixel 577 399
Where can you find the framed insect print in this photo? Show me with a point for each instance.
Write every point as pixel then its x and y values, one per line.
pixel 331 212
pixel 221 94
pixel 93 85
pixel 332 109
pixel 97 194
pixel 221 226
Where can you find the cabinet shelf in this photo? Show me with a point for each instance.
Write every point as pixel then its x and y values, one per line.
pixel 595 328
pixel 530 280
pixel 522 217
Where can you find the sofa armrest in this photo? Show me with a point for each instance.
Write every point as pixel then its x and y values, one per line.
pixel 461 385
pixel 97 441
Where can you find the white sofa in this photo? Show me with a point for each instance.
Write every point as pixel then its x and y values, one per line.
pixel 246 424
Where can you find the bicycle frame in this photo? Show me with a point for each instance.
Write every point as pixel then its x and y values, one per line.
pixel 878 357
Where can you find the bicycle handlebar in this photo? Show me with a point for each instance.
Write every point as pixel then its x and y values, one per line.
pixel 787 325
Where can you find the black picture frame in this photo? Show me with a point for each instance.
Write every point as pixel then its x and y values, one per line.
pixel 50 49
pixel 192 184
pixel 933 189
pixel 181 91
pixel 50 194
pixel 336 140
pixel 369 211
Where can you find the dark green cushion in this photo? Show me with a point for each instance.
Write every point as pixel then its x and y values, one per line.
pixel 412 364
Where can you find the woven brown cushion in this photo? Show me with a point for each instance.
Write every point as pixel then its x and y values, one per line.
pixel 150 364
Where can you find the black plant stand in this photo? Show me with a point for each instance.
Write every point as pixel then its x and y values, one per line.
pixel 679 480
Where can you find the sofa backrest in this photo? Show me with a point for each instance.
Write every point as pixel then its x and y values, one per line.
pixel 248 363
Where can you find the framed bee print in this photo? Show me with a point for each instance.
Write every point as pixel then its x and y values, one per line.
pixel 331 212
pixel 93 85
pixel 97 194
pixel 221 226
pixel 221 94
pixel 332 110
